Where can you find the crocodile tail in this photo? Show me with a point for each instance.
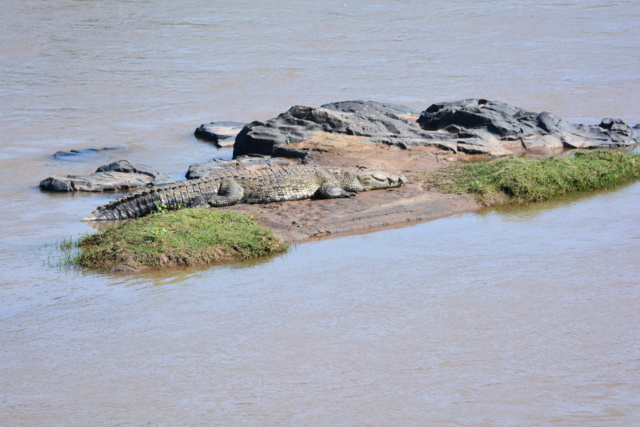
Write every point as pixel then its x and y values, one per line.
pixel 127 207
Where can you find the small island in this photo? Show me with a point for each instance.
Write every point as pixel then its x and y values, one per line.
pixel 453 158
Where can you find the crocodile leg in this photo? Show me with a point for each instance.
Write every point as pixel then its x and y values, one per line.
pixel 230 193
pixel 331 190
pixel 199 202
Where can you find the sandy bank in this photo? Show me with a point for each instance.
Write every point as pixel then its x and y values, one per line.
pixel 415 202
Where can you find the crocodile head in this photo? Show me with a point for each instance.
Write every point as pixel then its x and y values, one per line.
pixel 371 179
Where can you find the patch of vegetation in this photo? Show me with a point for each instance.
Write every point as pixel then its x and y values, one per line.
pixel 521 180
pixel 184 237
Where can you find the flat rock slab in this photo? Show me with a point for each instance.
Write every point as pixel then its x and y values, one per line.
pixel 472 126
pixel 117 176
pixel 221 133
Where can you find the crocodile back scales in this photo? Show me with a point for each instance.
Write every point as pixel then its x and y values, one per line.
pixel 261 186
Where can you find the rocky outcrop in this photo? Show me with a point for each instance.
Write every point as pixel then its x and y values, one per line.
pixel 472 126
pixel 382 123
pixel 117 176
pixel 479 125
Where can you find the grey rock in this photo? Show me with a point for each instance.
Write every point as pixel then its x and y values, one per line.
pixel 75 154
pixel 117 176
pixel 123 166
pixel 362 107
pixel 478 123
pixel 290 153
pixel 472 126
pixel 482 146
pixel 382 123
pixel 221 133
pixel 95 182
pixel 551 141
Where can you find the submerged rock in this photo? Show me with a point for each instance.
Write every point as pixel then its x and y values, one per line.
pixel 74 154
pixel 117 176
pixel 472 126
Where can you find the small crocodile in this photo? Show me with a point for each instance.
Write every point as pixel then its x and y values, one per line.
pixel 228 187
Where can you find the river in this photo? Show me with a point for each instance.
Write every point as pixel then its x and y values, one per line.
pixel 520 316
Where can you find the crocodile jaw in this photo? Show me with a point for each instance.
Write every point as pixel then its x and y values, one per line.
pixel 372 179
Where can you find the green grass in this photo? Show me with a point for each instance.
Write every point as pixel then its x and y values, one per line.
pixel 521 180
pixel 185 237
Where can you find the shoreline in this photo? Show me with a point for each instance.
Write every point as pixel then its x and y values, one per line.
pixel 308 220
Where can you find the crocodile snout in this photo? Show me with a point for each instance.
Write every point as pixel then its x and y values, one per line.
pixel 397 180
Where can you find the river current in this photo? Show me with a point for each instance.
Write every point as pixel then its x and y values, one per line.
pixel 520 316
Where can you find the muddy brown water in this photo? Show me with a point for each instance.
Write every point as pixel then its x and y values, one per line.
pixel 522 316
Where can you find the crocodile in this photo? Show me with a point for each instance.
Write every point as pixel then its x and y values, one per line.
pixel 267 185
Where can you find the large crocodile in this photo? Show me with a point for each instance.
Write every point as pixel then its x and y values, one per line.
pixel 228 187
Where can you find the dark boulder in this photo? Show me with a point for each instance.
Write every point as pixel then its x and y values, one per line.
pixel 483 123
pixel 472 126
pixel 117 176
pixel 382 123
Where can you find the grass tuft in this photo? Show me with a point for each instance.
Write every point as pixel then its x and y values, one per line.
pixel 185 237
pixel 522 181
